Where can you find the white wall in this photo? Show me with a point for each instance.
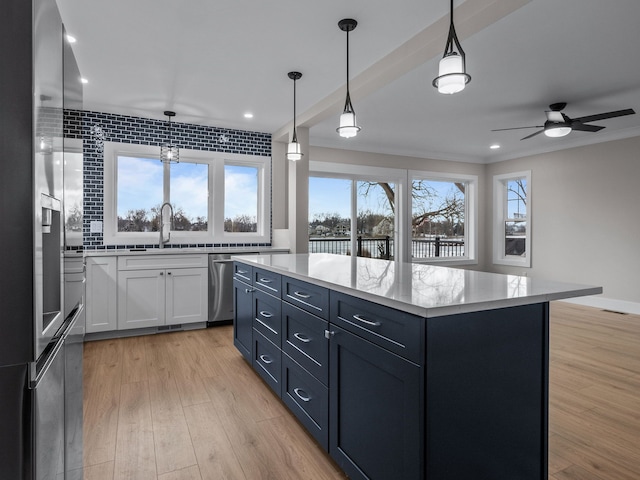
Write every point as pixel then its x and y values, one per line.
pixel 584 218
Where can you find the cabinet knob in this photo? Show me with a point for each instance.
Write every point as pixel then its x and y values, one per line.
pixel 168 273
pixel 161 274
pixel 328 334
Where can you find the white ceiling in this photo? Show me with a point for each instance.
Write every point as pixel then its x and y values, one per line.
pixel 213 60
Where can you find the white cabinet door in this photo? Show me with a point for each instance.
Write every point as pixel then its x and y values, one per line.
pixel 101 294
pixel 141 298
pixel 186 295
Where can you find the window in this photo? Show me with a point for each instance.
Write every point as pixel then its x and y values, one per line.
pixel 397 214
pixel 139 193
pixel 354 213
pixel 241 198
pixel 443 215
pixel 216 198
pixel 512 224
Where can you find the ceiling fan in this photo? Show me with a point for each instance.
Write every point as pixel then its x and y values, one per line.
pixel 558 124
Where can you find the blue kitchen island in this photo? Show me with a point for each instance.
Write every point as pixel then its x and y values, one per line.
pixel 404 371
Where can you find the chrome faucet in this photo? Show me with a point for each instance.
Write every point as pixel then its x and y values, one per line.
pixel 165 239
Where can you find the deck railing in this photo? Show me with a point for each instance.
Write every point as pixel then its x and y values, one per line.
pixel 382 247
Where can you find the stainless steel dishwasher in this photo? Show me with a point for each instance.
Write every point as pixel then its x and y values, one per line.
pixel 221 288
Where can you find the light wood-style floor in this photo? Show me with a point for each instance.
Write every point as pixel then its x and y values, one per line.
pixel 185 405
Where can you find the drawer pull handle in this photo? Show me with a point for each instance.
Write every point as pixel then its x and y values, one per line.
pixel 302 295
pixel 249 290
pixel 242 272
pixel 266 359
pixel 265 280
pixel 266 314
pixel 365 321
pixel 301 394
pixel 301 337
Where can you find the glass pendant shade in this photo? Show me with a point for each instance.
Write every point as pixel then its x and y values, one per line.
pixel 169 153
pixel 294 152
pixel 559 131
pixel 348 127
pixel 451 77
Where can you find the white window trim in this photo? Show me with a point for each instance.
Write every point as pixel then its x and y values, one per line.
pixel 500 215
pixel 216 162
pixel 470 216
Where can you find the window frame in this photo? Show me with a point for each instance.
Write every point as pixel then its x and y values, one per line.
pixel 403 179
pixel 215 205
pixel 470 216
pixel 500 216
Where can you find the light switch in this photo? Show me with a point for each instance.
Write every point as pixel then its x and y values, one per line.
pixel 96 226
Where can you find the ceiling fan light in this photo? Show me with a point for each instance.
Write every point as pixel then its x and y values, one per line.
pixel 348 127
pixel 451 77
pixel 294 152
pixel 557 131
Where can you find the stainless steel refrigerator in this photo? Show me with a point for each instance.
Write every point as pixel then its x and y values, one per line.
pixel 36 367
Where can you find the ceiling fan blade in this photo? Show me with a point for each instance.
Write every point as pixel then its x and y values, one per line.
pixel 517 128
pixel 585 128
pixel 604 116
pixel 533 134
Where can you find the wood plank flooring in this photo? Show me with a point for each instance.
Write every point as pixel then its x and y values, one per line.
pixel 186 406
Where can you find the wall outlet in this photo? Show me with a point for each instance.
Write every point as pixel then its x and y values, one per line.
pixel 95 226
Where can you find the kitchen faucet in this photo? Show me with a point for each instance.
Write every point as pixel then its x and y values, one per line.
pixel 166 239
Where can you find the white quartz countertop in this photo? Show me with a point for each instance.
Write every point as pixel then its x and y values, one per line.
pixel 179 251
pixel 424 290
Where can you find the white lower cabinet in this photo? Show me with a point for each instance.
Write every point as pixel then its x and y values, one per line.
pixel 101 294
pixel 151 297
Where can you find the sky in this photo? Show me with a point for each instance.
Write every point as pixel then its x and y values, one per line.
pixel 333 195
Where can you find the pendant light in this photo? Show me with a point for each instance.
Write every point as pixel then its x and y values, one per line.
pixel 168 151
pixel 294 152
pixel 348 127
pixel 452 71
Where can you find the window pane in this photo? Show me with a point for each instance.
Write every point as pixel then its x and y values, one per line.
pixel 515 237
pixel 139 193
pixel 329 215
pixel 437 220
pixel 240 198
pixel 376 219
pixel 189 192
pixel 517 198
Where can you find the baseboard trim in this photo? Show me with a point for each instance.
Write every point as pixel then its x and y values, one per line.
pixel 607 304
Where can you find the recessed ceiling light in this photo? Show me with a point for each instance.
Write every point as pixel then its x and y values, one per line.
pixel 248 115
pixel 84 80
pixel 495 146
pixel 71 39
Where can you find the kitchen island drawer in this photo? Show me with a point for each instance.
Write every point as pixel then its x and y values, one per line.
pixel 396 331
pixel 267 281
pixel 303 339
pixel 307 398
pixel 267 318
pixel 242 272
pixel 312 298
pixel 267 361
